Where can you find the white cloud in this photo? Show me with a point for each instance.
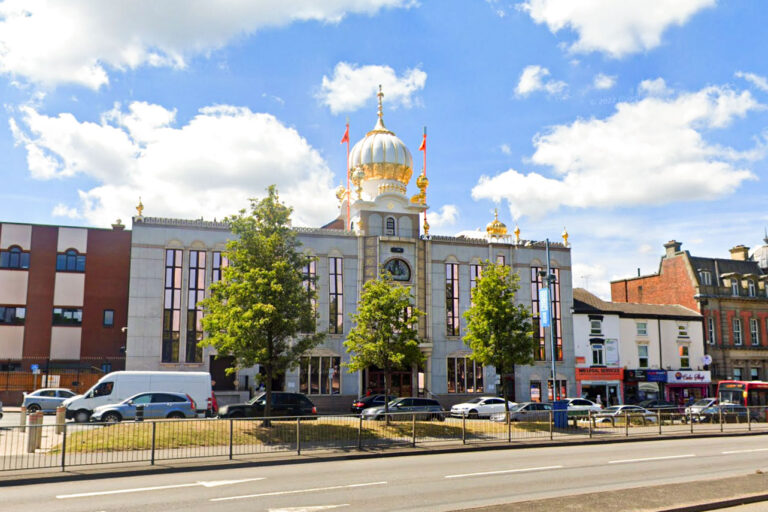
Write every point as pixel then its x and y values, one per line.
pixel 445 217
pixel 505 149
pixel 655 87
pixel 758 81
pixel 533 78
pixel 62 210
pixel 66 41
pixel 351 86
pixel 616 28
pixel 208 167
pixel 603 82
pixel 650 152
pixel 593 278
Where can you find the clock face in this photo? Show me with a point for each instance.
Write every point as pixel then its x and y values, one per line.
pixel 399 269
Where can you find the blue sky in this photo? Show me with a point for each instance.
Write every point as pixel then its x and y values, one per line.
pixel 628 123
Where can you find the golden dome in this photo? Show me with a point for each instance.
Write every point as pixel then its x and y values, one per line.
pixel 496 227
pixel 382 155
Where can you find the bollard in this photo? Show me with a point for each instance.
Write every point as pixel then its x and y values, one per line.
pixel 60 419
pixel 39 437
pixel 31 435
pixel 23 419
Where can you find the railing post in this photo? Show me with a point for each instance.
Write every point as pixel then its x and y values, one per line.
pixel 749 419
pixel 658 419
pixel 720 413
pixel 23 419
pixel 589 421
pixel 64 447
pixel 413 430
pixel 464 428
pixel 154 437
pixel 231 436
pixel 690 419
pixel 551 424
pixel 298 435
pixel 626 423
pixel 509 427
pixel 360 432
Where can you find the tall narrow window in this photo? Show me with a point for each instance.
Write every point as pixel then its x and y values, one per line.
pixel 737 373
pixel 751 290
pixel 642 356
pixel 734 287
pixel 108 319
pixel 475 273
pixel 501 260
pixel 70 261
pixel 172 306
pixel 336 295
pixel 452 298
pixel 464 375
pixel 754 331
pixel 597 354
pixel 711 330
pixel 685 360
pixel 310 282
pixel 555 314
pixel 196 280
pixel 737 340
pixel 754 374
pixel 218 263
pixel 390 227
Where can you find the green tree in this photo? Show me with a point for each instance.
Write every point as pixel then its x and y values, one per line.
pixel 261 310
pixel 499 332
pixel 384 334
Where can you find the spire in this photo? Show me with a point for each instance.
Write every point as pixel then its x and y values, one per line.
pixel 765 239
pixel 380 112
pixel 140 207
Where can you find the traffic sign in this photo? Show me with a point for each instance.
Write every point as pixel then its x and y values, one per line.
pixel 35 368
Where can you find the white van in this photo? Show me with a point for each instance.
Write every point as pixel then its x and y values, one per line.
pixel 117 386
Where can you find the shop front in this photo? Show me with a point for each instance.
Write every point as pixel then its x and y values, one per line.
pixel 686 385
pixel 601 385
pixel 642 384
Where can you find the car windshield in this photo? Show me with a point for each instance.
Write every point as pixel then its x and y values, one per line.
pixel 703 403
pixel 262 397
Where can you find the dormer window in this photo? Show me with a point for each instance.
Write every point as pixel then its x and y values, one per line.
pixel 389 228
pixel 705 277
pixel 751 290
pixel 734 287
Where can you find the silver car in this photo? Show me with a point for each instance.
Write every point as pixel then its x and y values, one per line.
pixel 403 409
pixel 46 399
pixel 526 411
pixel 155 406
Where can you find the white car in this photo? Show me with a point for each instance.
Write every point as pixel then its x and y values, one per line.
pixel 480 407
pixel 578 406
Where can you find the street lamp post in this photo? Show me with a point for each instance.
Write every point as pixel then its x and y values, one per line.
pixel 549 280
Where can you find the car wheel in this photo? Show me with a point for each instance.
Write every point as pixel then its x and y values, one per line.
pixel 175 415
pixel 111 417
pixel 82 416
pixel 473 415
pixel 33 408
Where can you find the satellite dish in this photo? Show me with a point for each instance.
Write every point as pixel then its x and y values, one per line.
pixel 707 359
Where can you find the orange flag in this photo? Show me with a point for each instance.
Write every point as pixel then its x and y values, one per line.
pixel 423 146
pixel 345 138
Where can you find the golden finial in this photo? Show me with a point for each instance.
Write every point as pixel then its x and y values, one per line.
pixel 357 178
pixel 517 234
pixel 140 207
pixel 565 236
pixel 496 228
pixel 426 227
pixel 340 193
pixel 381 108
pixel 421 198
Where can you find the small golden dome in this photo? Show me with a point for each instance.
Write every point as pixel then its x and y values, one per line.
pixel 565 237
pixel 496 227
pixel 422 182
pixel 340 193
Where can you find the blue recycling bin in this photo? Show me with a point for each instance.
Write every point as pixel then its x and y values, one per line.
pixel 560 413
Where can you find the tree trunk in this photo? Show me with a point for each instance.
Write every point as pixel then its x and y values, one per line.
pixel 504 390
pixel 268 401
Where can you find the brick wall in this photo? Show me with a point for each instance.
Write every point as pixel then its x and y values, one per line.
pixel 672 285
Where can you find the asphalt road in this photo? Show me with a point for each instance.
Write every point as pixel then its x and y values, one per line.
pixel 424 482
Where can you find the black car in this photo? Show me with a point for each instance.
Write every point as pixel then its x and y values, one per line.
pixel 727 413
pixel 659 405
pixel 369 401
pixel 283 404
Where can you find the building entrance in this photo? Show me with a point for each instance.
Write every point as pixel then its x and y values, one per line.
pixel 401 385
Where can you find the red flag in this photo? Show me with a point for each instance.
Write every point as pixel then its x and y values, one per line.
pixel 423 146
pixel 345 138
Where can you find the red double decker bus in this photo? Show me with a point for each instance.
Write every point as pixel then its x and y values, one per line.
pixel 744 392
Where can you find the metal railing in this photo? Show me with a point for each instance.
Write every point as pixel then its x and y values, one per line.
pixel 38 446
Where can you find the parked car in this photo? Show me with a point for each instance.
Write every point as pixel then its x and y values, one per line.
pixel 580 406
pixel 659 405
pixel 480 407
pixel 729 413
pixel 620 411
pixel 116 387
pixel 46 399
pixel 283 404
pixel 695 408
pixel 525 411
pixel 368 401
pixel 156 406
pixel 426 408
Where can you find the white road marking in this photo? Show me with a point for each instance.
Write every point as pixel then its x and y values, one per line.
pixel 542 468
pixel 307 509
pixel 156 488
pixel 746 451
pixel 652 458
pixel 298 491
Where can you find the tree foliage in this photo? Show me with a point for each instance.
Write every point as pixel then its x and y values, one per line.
pixel 499 332
pixel 259 310
pixel 384 334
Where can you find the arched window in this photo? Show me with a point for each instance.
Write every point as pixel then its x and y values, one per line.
pixel 14 257
pixel 390 226
pixel 70 261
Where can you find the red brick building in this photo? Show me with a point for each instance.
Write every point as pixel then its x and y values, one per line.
pixel 63 304
pixel 732 296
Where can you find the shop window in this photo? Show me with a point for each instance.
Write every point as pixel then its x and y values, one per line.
pixel 320 375
pixel 754 331
pixel 14 257
pixel 108 319
pixel 464 375
pixel 642 328
pixel 70 261
pixel 642 356
pixel 598 351
pixel 67 316
pixel 12 315
pixel 535 391
pixel 737 339
pixel 711 330
pixel 685 360
pixel 754 374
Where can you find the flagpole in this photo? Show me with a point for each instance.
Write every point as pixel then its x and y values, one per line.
pixel 348 193
pixel 424 168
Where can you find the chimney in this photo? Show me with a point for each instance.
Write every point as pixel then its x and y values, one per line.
pixel 672 247
pixel 740 253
